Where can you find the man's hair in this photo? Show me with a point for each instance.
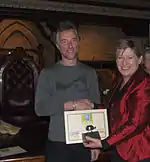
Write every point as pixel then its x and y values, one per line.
pixel 66 25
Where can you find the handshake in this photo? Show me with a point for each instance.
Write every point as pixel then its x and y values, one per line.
pixel 83 104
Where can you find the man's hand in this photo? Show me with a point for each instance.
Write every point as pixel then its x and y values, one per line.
pixel 83 104
pixel 68 106
pixel 95 154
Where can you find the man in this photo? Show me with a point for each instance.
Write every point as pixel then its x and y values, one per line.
pixel 146 60
pixel 68 85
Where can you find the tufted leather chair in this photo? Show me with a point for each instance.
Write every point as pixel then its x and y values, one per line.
pixel 18 88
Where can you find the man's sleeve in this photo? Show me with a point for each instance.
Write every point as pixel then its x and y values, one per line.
pixel 94 87
pixel 47 102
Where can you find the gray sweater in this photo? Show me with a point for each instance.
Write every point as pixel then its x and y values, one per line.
pixel 59 85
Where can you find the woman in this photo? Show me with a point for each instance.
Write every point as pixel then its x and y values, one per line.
pixel 146 60
pixel 129 109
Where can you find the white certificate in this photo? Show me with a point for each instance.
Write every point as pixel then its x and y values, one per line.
pixel 76 122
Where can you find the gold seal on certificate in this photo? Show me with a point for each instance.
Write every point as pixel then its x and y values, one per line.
pixel 85 122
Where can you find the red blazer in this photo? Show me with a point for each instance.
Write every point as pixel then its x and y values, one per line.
pixel 130 128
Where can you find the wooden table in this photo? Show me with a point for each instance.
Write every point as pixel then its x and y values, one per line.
pixel 25 159
pixel 33 141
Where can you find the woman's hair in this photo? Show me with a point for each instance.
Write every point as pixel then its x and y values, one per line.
pixel 129 43
pixel 146 51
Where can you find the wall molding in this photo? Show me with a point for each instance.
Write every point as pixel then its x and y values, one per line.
pixel 74 8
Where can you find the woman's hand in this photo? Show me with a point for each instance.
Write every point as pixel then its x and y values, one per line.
pixel 92 143
pixel 95 154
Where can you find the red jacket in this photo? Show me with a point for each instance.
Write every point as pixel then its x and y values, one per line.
pixel 130 125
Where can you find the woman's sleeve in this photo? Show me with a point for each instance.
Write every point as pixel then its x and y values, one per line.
pixel 137 120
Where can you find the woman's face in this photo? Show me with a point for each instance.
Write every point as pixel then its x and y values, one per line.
pixel 127 62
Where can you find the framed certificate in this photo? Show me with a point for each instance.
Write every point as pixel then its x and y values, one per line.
pixel 77 121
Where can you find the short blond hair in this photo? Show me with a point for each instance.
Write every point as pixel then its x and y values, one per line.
pixel 129 43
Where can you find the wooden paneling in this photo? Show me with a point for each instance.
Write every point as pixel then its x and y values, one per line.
pixel 98 43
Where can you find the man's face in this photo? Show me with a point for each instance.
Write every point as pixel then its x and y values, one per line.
pixel 68 43
pixel 147 62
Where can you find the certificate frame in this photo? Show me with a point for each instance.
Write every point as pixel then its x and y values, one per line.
pixel 76 122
